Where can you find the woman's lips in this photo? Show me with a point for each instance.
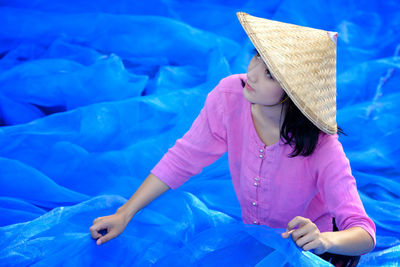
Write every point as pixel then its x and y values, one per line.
pixel 249 87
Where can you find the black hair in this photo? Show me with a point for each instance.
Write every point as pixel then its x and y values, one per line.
pixel 304 134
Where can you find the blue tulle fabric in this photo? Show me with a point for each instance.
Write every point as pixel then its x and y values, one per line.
pixel 93 93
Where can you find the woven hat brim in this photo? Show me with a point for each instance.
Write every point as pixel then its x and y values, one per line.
pixel 303 61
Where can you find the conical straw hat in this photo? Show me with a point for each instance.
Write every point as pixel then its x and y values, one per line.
pixel 303 61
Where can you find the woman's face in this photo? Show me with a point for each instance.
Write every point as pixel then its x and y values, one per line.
pixel 261 87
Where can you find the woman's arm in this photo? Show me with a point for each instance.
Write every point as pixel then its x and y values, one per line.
pixel 354 241
pixel 339 189
pixel 151 188
pixel 203 144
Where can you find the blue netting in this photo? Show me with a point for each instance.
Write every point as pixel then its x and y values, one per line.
pixel 93 93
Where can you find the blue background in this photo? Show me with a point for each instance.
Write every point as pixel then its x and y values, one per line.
pixel 93 93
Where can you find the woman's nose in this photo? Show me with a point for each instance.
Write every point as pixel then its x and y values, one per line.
pixel 252 74
pixel 250 77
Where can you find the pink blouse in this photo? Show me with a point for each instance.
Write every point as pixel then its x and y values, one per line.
pixel 271 187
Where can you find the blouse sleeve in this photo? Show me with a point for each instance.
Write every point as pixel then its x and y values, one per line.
pixel 338 186
pixel 202 145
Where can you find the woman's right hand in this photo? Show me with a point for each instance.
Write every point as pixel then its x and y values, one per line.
pixel 113 224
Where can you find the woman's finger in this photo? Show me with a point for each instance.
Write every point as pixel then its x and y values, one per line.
pixel 106 238
pixel 300 242
pixel 302 231
pixel 95 221
pixel 287 233
pixel 96 229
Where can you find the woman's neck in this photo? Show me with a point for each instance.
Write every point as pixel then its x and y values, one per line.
pixel 269 115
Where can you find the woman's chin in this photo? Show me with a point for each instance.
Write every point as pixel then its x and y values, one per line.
pixel 249 99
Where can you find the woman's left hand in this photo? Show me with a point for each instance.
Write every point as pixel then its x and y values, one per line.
pixel 307 236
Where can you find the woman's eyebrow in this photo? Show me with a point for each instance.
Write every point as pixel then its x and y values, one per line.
pixel 266 67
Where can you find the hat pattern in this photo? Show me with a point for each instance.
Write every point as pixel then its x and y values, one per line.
pixel 303 61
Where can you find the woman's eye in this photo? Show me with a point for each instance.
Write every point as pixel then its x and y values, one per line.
pixel 268 74
pixel 258 56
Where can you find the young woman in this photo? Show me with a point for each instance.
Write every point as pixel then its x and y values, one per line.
pixel 278 125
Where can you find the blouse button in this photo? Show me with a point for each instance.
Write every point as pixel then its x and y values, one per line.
pixel 254 203
pixel 261 156
pixel 255 222
pixel 261 151
pixel 255 184
pixel 256 178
